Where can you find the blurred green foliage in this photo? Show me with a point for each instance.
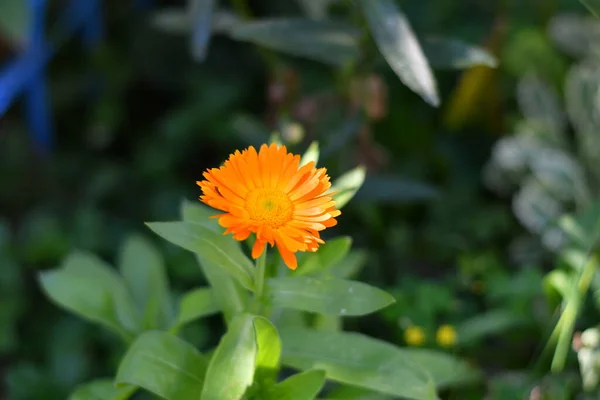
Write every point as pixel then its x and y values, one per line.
pixel 160 108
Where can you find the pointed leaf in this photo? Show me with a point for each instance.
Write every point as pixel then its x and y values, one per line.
pixel 268 352
pixel 102 389
pixel 164 365
pixel 231 369
pixel 87 286
pixel 328 255
pixel 143 268
pixel 358 360
pixel 211 246
pixel 202 12
pixel 230 295
pixel 347 185
pixel 452 53
pixel 196 304
pixel 311 154
pixel 400 47
pixel 330 296
pixel 326 41
pixel 303 386
pixel 349 266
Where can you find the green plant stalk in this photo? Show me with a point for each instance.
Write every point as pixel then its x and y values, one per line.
pixel 259 282
pixel 566 323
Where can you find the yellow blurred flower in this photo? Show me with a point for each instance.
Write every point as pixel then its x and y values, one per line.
pixel 446 336
pixel 414 335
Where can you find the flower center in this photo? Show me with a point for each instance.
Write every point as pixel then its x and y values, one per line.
pixel 270 207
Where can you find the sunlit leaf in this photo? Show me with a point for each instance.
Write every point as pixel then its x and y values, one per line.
pixel 209 245
pixel 163 364
pixel 311 154
pixel 330 296
pixel 452 53
pixel 303 386
pixel 327 256
pixel 201 12
pixel 347 185
pixel 102 389
pixel 231 369
pixel 400 47
pixel 358 360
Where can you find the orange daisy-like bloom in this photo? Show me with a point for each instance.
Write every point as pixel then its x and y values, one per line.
pixel 270 194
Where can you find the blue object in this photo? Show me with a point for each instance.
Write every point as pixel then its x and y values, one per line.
pixel 25 73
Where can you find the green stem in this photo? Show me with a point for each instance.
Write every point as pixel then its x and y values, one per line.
pixel 259 281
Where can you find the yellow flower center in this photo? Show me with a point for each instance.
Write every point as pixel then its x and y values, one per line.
pixel 269 206
pixel 446 336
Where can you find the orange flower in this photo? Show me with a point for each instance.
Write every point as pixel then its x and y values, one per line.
pixel 268 193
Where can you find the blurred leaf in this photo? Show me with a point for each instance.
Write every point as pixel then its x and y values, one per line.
pixel 231 369
pixel 593 6
pixel 445 370
pixel 211 246
pixel 559 282
pixel 330 296
pixel 534 207
pixel 347 185
pixel 330 42
pixel 576 35
pixel 400 47
pixel 492 322
pixel 230 296
pixel 539 101
pixel 348 392
pixel 391 189
pixel 173 20
pixel 582 89
pixel 102 389
pixel 92 289
pixel 311 154
pixel 357 360
pixel 350 265
pixel 196 304
pixel 316 9
pixel 303 386
pixel 452 53
pixel 164 365
pixel 143 268
pixel 328 255
pixel 201 12
pixel 15 21
pixel 582 228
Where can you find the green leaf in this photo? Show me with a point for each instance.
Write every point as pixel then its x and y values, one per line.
pixel 196 304
pixel 202 14
pixel 165 365
pixel 219 249
pixel 325 41
pixel 143 269
pixel 328 255
pixel 330 296
pixel 268 351
pixel 539 102
pixel 303 386
pixel 15 21
pixel 347 185
pixel 358 360
pixel 311 154
pixel 102 389
pixel 445 370
pixel 350 265
pixel 231 369
pixel 87 286
pixel 452 53
pixel 230 295
pixel 583 228
pixel 593 6
pixel 400 47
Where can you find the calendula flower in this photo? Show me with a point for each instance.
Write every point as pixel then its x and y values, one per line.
pixel 414 335
pixel 269 194
pixel 446 336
